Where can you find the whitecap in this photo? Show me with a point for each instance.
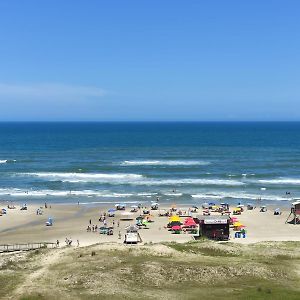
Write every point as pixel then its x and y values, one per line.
pixel 238 195
pixel 164 163
pixel 284 181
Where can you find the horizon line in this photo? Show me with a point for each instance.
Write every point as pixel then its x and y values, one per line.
pixel 150 121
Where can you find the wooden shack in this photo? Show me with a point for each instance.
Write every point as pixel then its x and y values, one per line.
pixel 214 227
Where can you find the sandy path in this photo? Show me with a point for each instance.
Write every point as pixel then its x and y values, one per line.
pixel 31 283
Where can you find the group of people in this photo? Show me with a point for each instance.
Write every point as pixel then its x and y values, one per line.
pixel 68 242
pixel 93 228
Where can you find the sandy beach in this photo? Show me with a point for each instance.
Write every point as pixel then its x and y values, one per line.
pixel 71 221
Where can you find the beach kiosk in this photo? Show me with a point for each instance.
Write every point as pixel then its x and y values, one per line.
pixel 132 236
pixel 214 227
pixel 295 213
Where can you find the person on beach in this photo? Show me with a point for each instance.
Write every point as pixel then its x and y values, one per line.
pixel 90 222
pixel 57 243
pixel 93 228
pixel 96 228
pixel 105 222
pixel 113 223
pixel 118 223
pixel 119 235
pixel 77 243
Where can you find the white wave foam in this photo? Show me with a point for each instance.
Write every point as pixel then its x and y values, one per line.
pixel 43 193
pixel 111 202
pixel 173 194
pixel 164 163
pixel 86 177
pixel 131 179
pixel 288 181
pixel 188 181
pixel 238 195
pixel 146 194
pixel 4 161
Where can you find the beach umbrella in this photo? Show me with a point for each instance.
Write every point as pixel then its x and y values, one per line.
pixel 189 222
pixel 237 224
pixel 132 228
pixel 111 210
pixel 176 227
pixel 174 218
pixel 237 208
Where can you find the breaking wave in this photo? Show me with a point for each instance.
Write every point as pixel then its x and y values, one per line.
pixel 44 193
pixel 288 181
pixel 130 179
pixel 4 161
pixel 238 195
pixel 164 163
pixel 86 177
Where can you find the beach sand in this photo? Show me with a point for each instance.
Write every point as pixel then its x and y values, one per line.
pixel 71 221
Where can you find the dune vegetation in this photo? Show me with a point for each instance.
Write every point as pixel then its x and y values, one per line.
pixel 194 270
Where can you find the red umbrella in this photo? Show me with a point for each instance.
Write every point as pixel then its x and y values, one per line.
pixel 176 227
pixel 189 222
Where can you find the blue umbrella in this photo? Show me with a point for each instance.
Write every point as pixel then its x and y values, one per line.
pixel 111 210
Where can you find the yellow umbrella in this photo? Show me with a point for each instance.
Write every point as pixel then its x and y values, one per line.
pixel 237 224
pixel 174 219
pixel 237 208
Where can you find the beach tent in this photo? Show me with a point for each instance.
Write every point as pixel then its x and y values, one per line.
pixel 132 228
pixel 120 206
pixel 134 208
pixel 277 212
pixel 49 222
pixel 263 208
pixel 154 206
pixel 111 212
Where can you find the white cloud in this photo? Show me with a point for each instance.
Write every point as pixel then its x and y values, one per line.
pixel 49 91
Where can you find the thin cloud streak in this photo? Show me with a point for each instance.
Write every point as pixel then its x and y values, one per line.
pixel 49 90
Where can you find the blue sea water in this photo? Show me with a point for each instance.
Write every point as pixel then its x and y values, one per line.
pixel 137 162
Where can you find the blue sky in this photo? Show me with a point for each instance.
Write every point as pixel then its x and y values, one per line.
pixel 149 60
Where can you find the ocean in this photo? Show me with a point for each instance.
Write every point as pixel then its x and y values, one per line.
pixel 138 162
